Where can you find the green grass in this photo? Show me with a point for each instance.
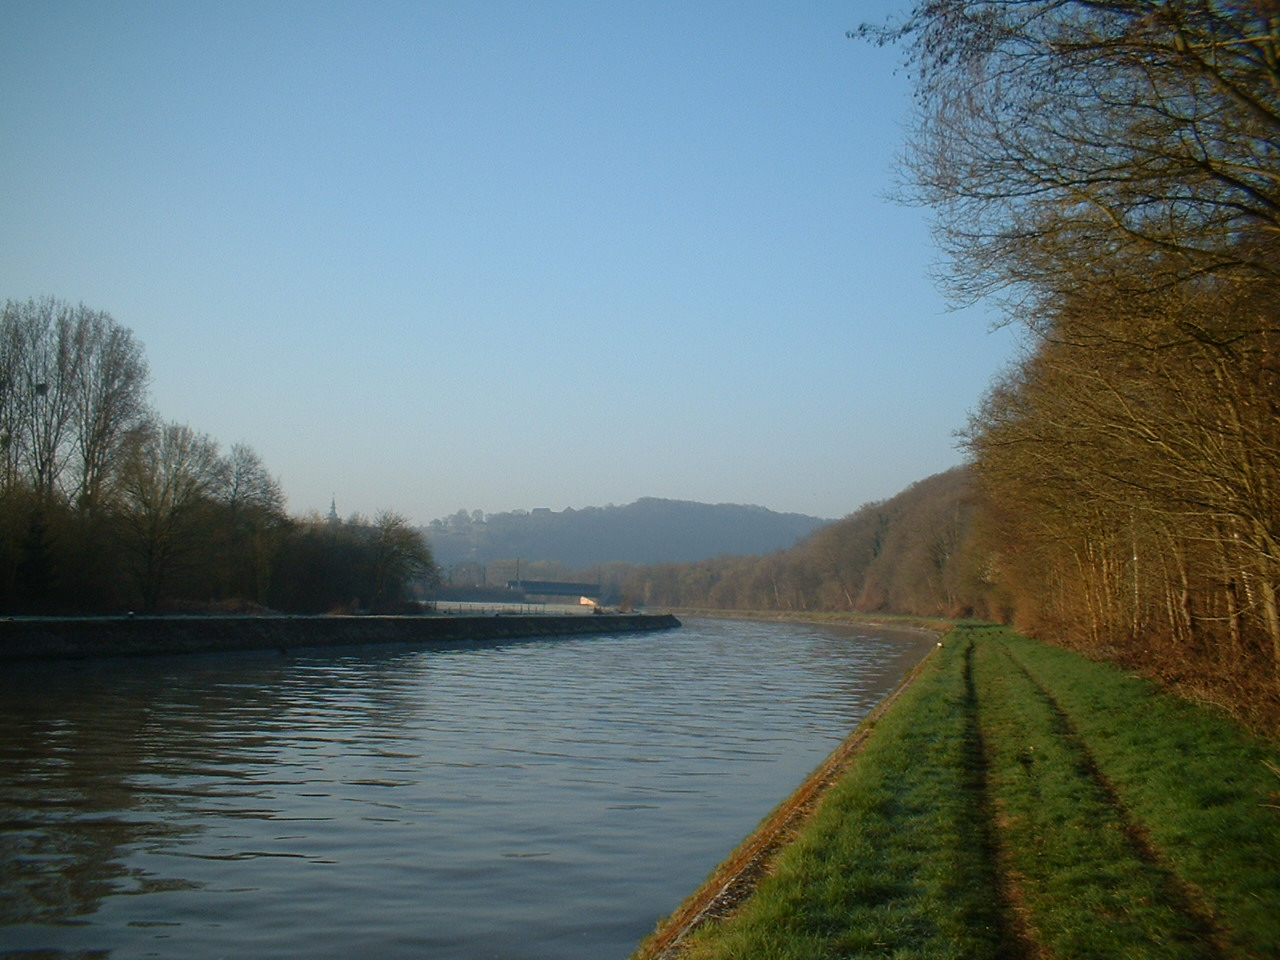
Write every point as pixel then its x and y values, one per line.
pixel 1192 781
pixel 887 867
pixel 1018 798
pixel 1086 883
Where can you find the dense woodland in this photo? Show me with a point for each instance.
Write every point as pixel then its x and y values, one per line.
pixel 104 507
pixel 909 554
pixel 1110 172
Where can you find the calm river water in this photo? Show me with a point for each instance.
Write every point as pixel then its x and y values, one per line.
pixel 546 799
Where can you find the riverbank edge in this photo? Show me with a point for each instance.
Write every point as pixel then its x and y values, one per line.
pixel 80 638
pixel 735 878
pixel 934 626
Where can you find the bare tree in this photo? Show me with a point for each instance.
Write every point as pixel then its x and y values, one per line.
pixel 1112 169
pixel 111 404
pixel 1060 139
pixel 253 514
pixel 400 555
pixel 42 378
pixel 170 480
pixel 247 485
pixel 72 386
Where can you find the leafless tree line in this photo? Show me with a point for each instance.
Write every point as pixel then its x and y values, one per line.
pixel 104 506
pixel 73 389
pixel 915 553
pixel 1109 173
pixel 1111 170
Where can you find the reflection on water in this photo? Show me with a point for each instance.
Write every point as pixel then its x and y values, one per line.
pixel 526 800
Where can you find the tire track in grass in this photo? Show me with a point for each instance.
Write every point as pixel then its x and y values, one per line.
pixel 1183 895
pixel 1196 783
pixel 1092 879
pixel 1017 934
pixel 896 860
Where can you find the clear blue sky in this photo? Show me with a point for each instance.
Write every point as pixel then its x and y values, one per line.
pixel 440 255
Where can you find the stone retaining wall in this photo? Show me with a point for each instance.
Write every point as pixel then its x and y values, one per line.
pixel 45 638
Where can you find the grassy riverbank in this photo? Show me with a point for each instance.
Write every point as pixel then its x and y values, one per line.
pixel 905 621
pixel 1020 801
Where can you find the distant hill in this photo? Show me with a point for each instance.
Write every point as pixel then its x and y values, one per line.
pixel 648 531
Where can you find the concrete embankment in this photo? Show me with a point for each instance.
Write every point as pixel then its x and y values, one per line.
pixel 48 638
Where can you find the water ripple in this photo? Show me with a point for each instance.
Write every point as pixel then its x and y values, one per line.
pixel 479 801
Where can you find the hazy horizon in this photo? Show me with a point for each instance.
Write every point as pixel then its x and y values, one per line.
pixel 605 506
pixel 494 256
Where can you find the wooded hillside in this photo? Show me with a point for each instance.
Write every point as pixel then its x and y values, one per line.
pixel 1109 172
pixel 915 553
pixel 650 530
